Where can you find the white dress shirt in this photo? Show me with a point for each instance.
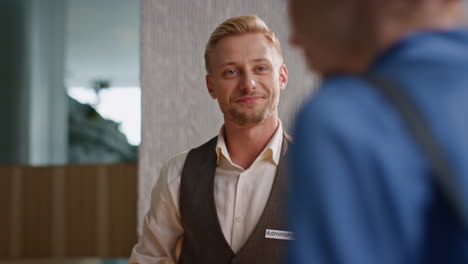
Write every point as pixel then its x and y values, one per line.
pixel 240 197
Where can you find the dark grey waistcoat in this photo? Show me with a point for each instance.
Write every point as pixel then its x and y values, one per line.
pixel 204 241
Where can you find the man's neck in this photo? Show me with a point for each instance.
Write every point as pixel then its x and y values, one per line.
pixel 245 143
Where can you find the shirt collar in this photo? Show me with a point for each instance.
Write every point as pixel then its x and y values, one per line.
pixel 272 150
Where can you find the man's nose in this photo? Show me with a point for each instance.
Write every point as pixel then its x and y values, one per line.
pixel 248 84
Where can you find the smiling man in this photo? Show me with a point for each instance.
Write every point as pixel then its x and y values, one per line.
pixel 221 202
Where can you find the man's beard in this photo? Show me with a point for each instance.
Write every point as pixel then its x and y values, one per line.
pixel 243 118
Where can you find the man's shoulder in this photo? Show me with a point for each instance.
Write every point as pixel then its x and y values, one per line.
pixel 208 144
pixel 173 167
pixel 179 159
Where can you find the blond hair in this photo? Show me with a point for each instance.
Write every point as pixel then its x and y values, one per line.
pixel 238 25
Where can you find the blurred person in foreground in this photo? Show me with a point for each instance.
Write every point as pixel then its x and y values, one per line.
pixel 363 191
pixel 222 202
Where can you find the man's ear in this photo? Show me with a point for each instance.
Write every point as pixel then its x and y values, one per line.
pixel 209 86
pixel 283 76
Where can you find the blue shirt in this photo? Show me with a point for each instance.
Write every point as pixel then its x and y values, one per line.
pixel 361 189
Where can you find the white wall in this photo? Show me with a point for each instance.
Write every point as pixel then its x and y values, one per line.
pixel 177 112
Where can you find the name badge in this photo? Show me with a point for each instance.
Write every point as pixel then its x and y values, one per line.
pixel 279 234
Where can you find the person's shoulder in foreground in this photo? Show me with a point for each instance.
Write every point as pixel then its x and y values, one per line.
pixel 364 179
pixel 362 190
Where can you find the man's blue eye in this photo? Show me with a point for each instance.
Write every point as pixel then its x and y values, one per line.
pixel 262 68
pixel 230 72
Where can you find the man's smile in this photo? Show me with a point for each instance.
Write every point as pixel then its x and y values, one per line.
pixel 250 99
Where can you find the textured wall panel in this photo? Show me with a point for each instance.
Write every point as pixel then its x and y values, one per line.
pixel 177 111
pixel 68 211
